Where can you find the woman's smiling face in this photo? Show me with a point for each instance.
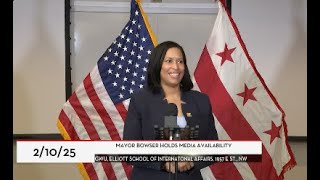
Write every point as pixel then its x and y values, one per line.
pixel 172 69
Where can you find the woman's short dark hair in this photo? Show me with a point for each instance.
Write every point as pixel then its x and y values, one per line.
pixel 155 64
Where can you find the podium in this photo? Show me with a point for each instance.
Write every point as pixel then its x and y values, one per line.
pixel 175 133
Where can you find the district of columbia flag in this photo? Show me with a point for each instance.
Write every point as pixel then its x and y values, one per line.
pixel 242 104
pixel 97 108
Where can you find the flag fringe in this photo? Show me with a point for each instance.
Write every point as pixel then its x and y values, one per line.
pixel 292 162
pixel 63 131
pixel 145 19
pixel 66 136
pixel 83 171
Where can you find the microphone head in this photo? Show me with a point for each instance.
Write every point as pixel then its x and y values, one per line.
pixel 172 109
pixel 170 119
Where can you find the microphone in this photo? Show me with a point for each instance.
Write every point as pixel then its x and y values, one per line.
pixel 171 131
pixel 170 120
pixel 172 109
pixel 170 123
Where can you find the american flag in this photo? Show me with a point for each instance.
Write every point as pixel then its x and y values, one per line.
pixel 242 104
pixel 97 108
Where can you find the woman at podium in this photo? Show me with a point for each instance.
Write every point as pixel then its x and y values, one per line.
pixel 168 81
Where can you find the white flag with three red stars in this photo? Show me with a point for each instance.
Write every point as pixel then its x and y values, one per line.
pixel 242 104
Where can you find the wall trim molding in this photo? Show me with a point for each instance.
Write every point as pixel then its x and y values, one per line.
pixel 153 8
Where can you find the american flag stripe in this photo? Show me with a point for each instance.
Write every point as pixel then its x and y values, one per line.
pixel 86 169
pixel 108 171
pixel 111 117
pixel 94 113
pixel 122 111
pixel 65 122
pixel 75 121
pixel 99 170
pixel 126 104
pixel 98 107
pixel 86 110
pixel 83 116
pixel 109 129
pixel 103 114
pixel 83 171
pixel 114 170
pixel 80 105
pixel 121 170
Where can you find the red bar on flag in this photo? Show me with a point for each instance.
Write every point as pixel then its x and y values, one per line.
pixel 242 104
pixel 97 108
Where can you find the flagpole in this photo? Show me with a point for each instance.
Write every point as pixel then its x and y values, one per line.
pixel 228 5
pixel 67 38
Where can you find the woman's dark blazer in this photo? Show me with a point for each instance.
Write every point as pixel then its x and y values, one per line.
pixel 147 109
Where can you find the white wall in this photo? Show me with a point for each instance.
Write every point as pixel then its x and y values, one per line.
pixel 38 65
pixel 275 33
